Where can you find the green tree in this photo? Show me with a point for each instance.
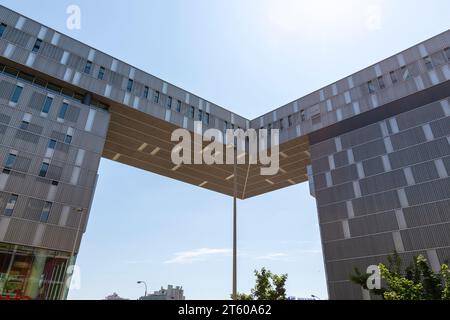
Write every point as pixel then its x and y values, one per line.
pixel 268 286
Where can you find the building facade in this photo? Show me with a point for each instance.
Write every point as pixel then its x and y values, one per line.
pixel 171 293
pixel 375 147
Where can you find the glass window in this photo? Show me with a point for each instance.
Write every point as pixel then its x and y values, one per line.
pixel 101 73
pixel 169 102
pixel 206 118
pixel 16 94
pixel 178 106
pixel 51 144
pixel 68 139
pixel 302 115
pixel 393 77
pixel 130 85
pixel 371 87
pixel 428 63
pixel 200 115
pixel 2 29
pixel 37 45
pixel 146 89
pixel 47 104
pixel 281 124
pixel 44 169
pixel 156 97
pixel 381 83
pixel 45 212
pixel 405 73
pixel 10 160
pixel 24 125
pixel 88 67
pixel 191 112
pixel 9 209
pixel 63 110
pixel 225 126
pixel 290 121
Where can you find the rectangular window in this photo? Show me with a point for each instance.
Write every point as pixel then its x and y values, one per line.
pixel 393 77
pixel 45 212
pixel 178 106
pixel 9 209
pixel 146 89
pixel 169 102
pixel 47 104
pixel 302 115
pixel 51 144
pixel 2 29
pixel 381 82
pixel 101 73
pixel 63 110
pixel 130 85
pixel 16 94
pixel 290 121
pixel 405 73
pixel 225 126
pixel 200 115
pixel 68 139
pixel 88 67
pixel 44 169
pixel 206 118
pixel 24 125
pixel 37 45
pixel 10 160
pixel 371 87
pixel 428 63
pixel 281 124
pixel 156 97
pixel 191 112
pixel 447 53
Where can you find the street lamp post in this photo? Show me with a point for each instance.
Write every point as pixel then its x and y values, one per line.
pixel 315 297
pixel 145 284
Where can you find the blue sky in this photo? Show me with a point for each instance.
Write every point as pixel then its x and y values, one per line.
pixel 247 56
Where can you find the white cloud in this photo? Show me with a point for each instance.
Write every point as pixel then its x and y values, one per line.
pixel 273 256
pixel 196 255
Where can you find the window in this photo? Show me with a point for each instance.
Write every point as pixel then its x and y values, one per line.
pixel 302 115
pixel 10 160
pixel 191 112
pixel 206 118
pixel 68 139
pixel 51 144
pixel 156 97
pixel 428 63
pixel 130 85
pixel 44 169
pixel 178 106
pixel 447 53
pixel 169 102
pixel 9 209
pixel 47 104
pixel 381 83
pixel 146 89
pixel 88 67
pixel 101 73
pixel 281 124
pixel 2 29
pixel 16 94
pixel 371 87
pixel 37 45
pixel 63 110
pixel 200 115
pixel 290 121
pixel 225 126
pixel 24 125
pixel 45 212
pixel 405 73
pixel 393 77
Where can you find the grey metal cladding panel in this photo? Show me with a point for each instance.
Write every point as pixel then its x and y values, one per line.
pixel 419 116
pixel 6 90
pixel 36 101
pixel 373 166
pixel 333 212
pixel 408 138
pixel 427 237
pixel 320 181
pixel 50 51
pixel 33 209
pixel 444 255
pixel 58 238
pixel 17 37
pixel 371 224
pixel 21 232
pixel 341 159
pixel 320 165
pixel 428 192
pixel 344 174
pixel 369 150
pixel 324 148
pixel 7 16
pixel 344 291
pixel 335 194
pixel 441 128
pixel 429 213
pixel 424 172
pixel 447 164
pixel 332 231
pixel 376 203
pixel 420 153
pixel 381 182
pixel 359 247
pixel 341 270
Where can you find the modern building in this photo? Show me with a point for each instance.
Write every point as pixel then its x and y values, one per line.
pixel 171 293
pixel 115 297
pixel 375 147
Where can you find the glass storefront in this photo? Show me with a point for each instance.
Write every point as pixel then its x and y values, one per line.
pixel 32 273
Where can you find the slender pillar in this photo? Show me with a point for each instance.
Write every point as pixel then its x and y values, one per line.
pixel 234 234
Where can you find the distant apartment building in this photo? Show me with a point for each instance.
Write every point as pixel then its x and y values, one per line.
pixel 171 293
pixel 375 147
